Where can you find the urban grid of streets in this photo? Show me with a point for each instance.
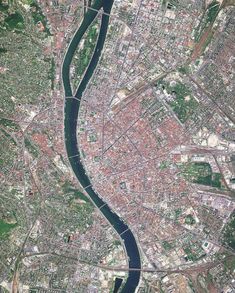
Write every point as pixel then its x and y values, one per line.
pixel 157 139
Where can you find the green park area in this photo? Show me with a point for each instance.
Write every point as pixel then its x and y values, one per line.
pixel 3 6
pixel 189 220
pixel 194 252
pixel 32 149
pixel 77 208
pixel 5 228
pixel 228 235
pixel 75 193
pixel 167 245
pixel 9 124
pixel 11 19
pixel 201 173
pixel 84 52
pixel 212 11
pixel 183 103
pixel 38 15
pixel 14 21
pixel 207 19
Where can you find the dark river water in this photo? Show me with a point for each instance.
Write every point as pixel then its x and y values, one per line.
pixel 71 112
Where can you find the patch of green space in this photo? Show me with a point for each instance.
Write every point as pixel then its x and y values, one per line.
pixel 83 154
pixel 66 238
pixel 31 148
pixel 8 136
pixel 216 180
pixel 177 214
pixel 207 19
pixel 166 245
pixel 92 138
pixel 201 173
pixel 184 69
pixel 3 50
pixel 182 107
pixel 9 124
pixel 164 3
pixel 67 188
pixel 51 73
pixel 212 11
pixel 96 158
pixel 14 21
pixel 92 114
pixel 84 215
pixel 229 264
pixel 80 195
pixel 83 55
pixel 184 103
pixel 228 234
pixel 117 243
pixel 189 220
pixel 164 165
pixel 3 7
pixel 70 215
pixel 169 4
pixel 5 228
pixel 193 254
pixel 38 16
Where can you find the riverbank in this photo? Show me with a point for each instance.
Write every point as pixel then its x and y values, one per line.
pixel 71 112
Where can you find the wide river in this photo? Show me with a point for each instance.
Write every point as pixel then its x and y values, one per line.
pixel 71 112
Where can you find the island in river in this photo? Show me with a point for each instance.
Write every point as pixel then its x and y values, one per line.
pixel 71 112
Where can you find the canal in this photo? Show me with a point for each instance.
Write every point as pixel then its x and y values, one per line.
pixel 71 112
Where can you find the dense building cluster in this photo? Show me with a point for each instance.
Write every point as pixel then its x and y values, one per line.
pixel 156 137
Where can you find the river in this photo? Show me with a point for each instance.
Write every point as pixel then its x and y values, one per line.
pixel 71 112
